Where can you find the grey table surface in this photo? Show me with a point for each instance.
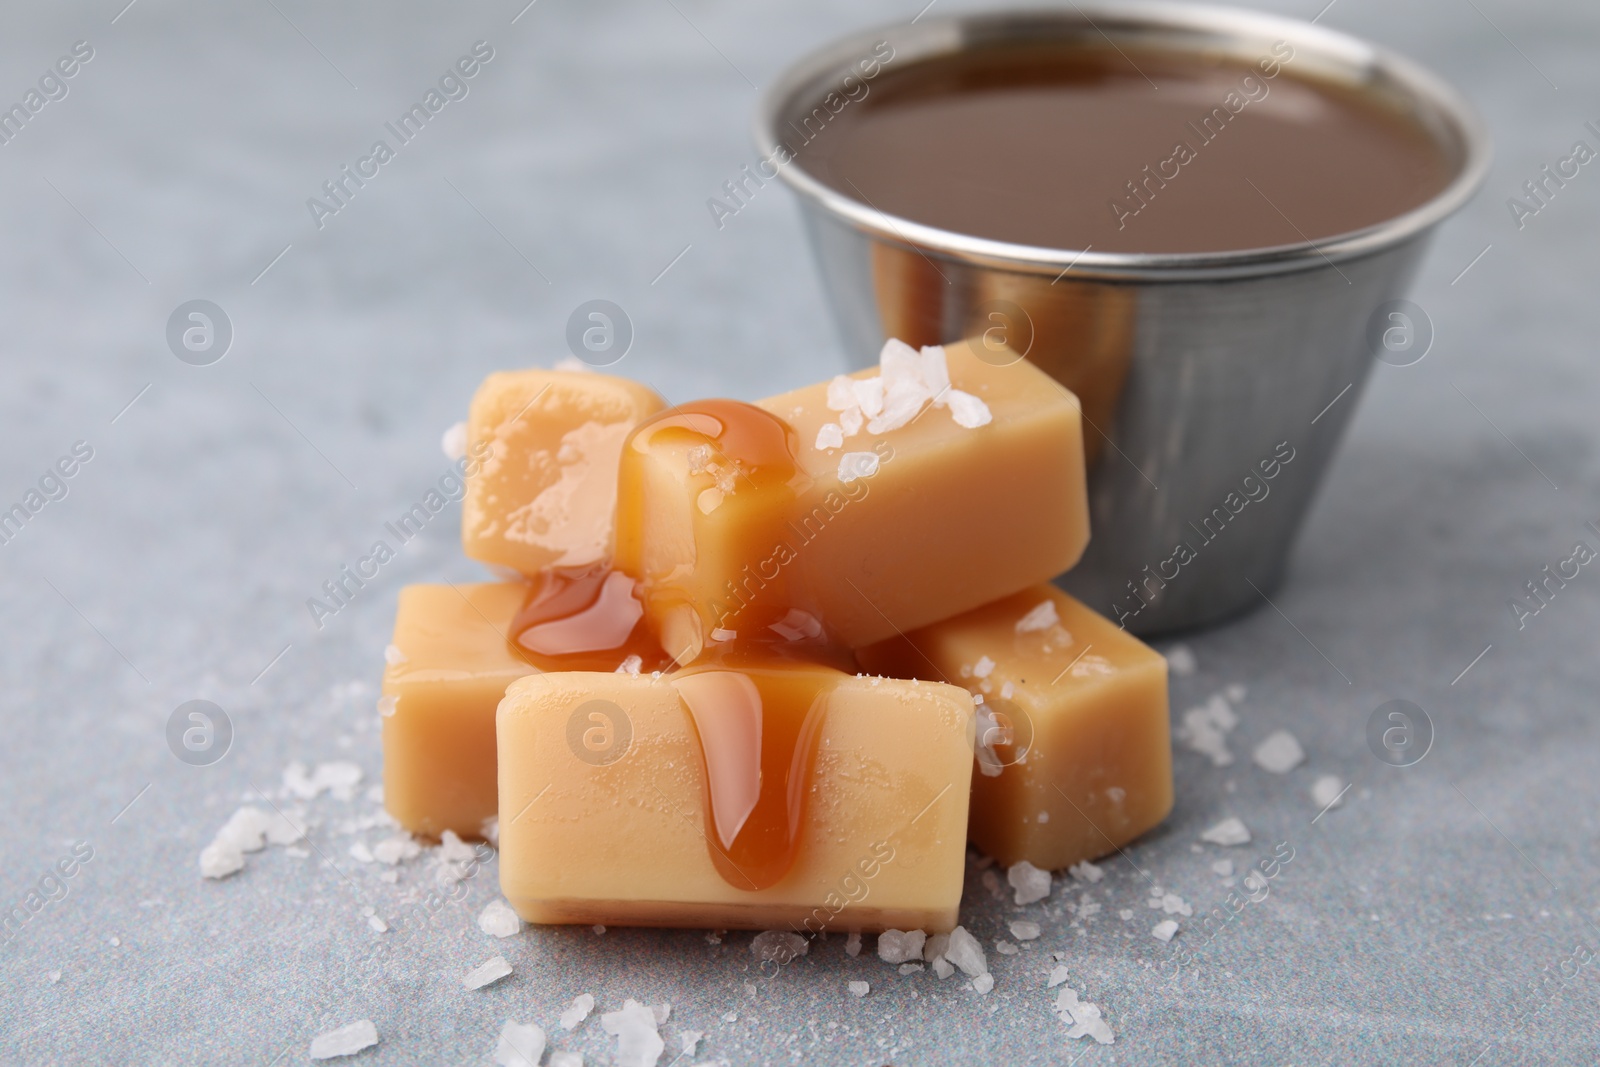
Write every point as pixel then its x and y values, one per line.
pixel 1442 914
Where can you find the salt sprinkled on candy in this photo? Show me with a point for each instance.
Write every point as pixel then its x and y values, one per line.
pixel 830 435
pixel 1029 882
pixel 519 1045
pixel 393 656
pixel 345 1041
pixel 1327 791
pixel 1041 617
pixel 968 411
pixel 487 973
pixel 454 442
pixel 901 946
pixel 841 393
pixel 860 989
pixel 1230 831
pixel 853 465
pixel 498 920
pixel 630 665
pixel 1279 753
pixel 388 705
pixel 582 1005
pixel 634 1027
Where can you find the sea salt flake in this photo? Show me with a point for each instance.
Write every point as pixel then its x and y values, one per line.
pixel 486 973
pixel 345 1041
pixel 1180 660
pixel 1164 930
pixel 1028 882
pixel 935 371
pixel 1279 753
pixel 830 435
pixel 519 1045
pixel 1042 616
pixel 968 411
pixel 1327 792
pixel 899 946
pixel 634 1027
pixel 453 443
pixel 498 920
pixel 778 946
pixel 582 1005
pixel 965 952
pixel 1230 831
pixel 854 465
pixel 1023 930
pixel 1085 871
pixel 868 395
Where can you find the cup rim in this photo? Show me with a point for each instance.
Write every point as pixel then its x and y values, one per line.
pixel 1357 59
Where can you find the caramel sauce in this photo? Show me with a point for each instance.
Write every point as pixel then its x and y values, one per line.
pixel 756 689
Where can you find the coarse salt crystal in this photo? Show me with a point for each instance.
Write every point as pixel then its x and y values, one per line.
pixel 859 989
pixel 393 656
pixel 965 952
pixel 498 920
pixel 1028 882
pixel 1230 831
pixel 1005 948
pixel 967 410
pixel 662 1012
pixel 899 946
pixel 691 1040
pixel 1058 974
pixel 1084 1017
pixel 1327 792
pixel 1041 617
pixel 634 1027
pixel 1023 930
pixel 519 1045
pixel 345 1041
pixel 1164 930
pixel 943 967
pixel 1223 868
pixel 582 1005
pixel 851 421
pixel 852 944
pixel 220 859
pixel 841 393
pixel 984 982
pixel 487 973
pixel 1279 753
pixel 778 946
pixel 854 465
pixel 1085 871
pixel 632 664
pixel 830 435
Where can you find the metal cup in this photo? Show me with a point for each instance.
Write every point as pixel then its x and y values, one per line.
pixel 1215 387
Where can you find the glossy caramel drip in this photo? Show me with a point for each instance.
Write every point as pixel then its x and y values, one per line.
pixel 754 681
pixel 757 729
pixel 583 619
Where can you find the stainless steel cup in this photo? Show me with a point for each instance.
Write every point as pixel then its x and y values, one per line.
pixel 1215 387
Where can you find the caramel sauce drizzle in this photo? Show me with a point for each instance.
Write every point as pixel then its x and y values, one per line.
pixel 756 702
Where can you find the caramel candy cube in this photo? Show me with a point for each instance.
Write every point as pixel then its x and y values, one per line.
pixel 544 494
pixel 869 520
pixel 448 667
pixel 612 811
pixel 1074 749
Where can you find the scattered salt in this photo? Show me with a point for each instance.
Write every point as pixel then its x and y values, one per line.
pixel 388 705
pixel 983 668
pixel 487 973
pixel 1041 617
pixel 965 952
pixel 1005 948
pixel 1024 931
pixel 1058 974
pixel 599 931
pixel 1223 868
pixel 393 656
pixel 377 924
pixel 1235 693
pixel 662 1012
pixel 859 989
pixel 1085 871
pixel 454 442
pixel 582 1005
pixel 519 1045
pixel 345 1041
pixel 778 946
pixel 634 1027
pixel 984 982
pixel 1181 661
pixel 1279 753
pixel 1327 792
pixel 394 850
pixel 1125 914
pixel 852 944
pixel 338 778
pixel 1084 1017
pixel 912 968
pixel 899 946
pixel 565 1058
pixel 498 920
pixel 1205 729
pixel 1028 882
pixel 632 664
pixel 1164 930
pixel 943 968
pixel 1230 831
pixel 691 1041
pixel 220 859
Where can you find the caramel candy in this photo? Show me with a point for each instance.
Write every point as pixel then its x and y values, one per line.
pixel 1074 748
pixel 545 493
pixel 857 505
pixel 764 797
pixel 449 666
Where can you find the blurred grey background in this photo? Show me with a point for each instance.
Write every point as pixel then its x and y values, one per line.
pixel 1434 917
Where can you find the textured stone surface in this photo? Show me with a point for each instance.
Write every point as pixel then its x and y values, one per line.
pixel 1414 923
